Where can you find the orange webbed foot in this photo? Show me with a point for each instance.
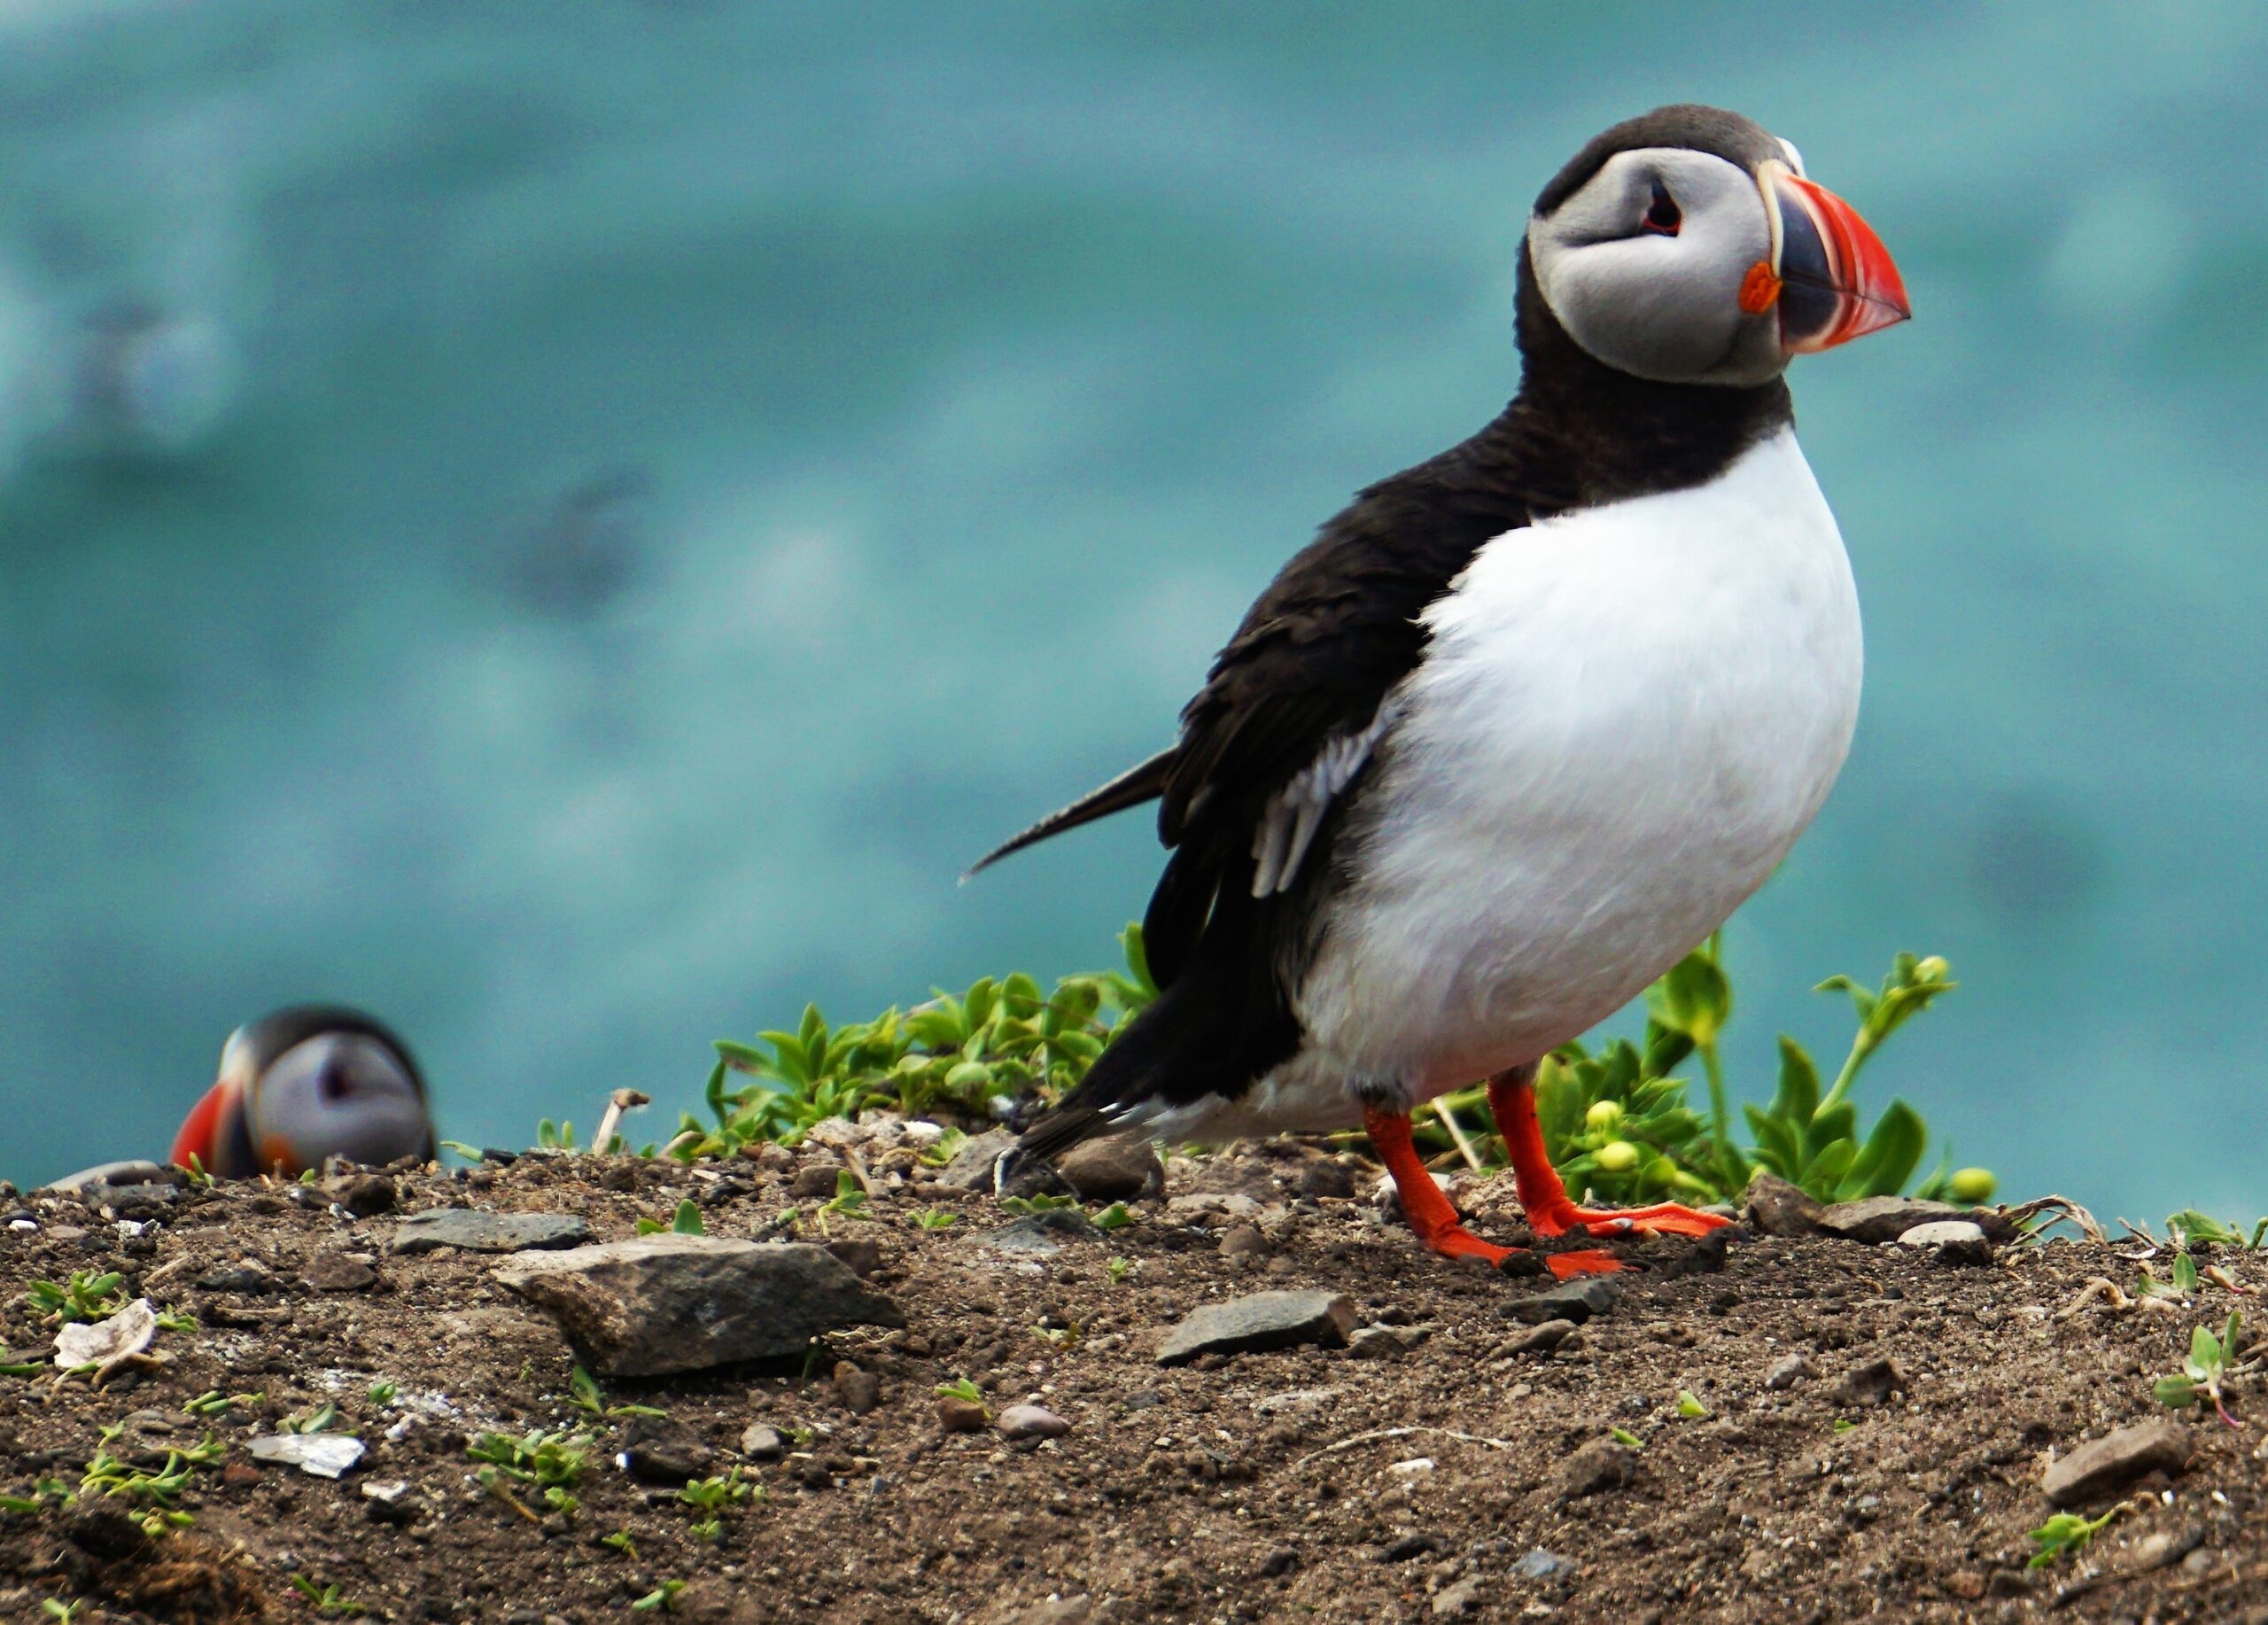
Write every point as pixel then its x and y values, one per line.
pixel 1667 1218
pixel 1570 1266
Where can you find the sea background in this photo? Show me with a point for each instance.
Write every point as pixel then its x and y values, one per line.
pixel 569 526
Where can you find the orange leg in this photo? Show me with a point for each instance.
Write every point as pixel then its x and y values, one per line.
pixel 1429 1212
pixel 1511 1097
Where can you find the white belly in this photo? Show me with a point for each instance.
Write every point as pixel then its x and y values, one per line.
pixel 1624 719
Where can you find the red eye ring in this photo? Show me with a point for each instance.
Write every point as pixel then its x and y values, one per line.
pixel 1663 217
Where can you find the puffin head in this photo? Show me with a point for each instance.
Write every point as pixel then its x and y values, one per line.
pixel 1686 246
pixel 304 1084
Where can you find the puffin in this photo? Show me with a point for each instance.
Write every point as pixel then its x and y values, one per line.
pixel 1525 722
pixel 303 1085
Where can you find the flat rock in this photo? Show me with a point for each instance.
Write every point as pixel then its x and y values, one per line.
pixel 1121 1168
pixel 339 1273
pixel 962 1415
pixel 143 1197
pixel 1376 1343
pixel 1577 1301
pixel 1951 1241
pixel 1208 1207
pixel 1777 1208
pixel 84 1182
pixel 669 1304
pixel 246 1275
pixel 1877 1219
pixel 326 1455
pixel 762 1442
pixel 1598 1466
pixel 1541 1565
pixel 1259 1320
pixel 1789 1370
pixel 1041 1233
pixel 2109 1464
pixel 658 1450
pixel 971 1168
pixel 1460 1596
pixel 1539 1339
pixel 473 1231
pixel 1032 1422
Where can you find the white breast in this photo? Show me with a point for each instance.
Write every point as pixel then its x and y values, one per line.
pixel 1625 718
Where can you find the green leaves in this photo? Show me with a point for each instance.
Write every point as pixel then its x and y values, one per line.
pixel 2211 1363
pixel 2066 1533
pixel 685 1222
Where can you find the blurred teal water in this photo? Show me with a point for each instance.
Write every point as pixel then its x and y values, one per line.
pixel 569 526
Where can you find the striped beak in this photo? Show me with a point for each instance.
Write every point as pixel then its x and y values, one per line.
pixel 1829 274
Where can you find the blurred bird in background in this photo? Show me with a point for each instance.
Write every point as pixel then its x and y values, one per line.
pixel 303 1085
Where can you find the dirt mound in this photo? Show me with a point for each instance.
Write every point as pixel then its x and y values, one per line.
pixel 1808 1430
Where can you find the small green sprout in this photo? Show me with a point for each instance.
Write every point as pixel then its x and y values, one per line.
pixel 1624 1436
pixel 935 1218
pixel 198 1179
pixel 849 1195
pixel 322 1419
pixel 326 1599
pixel 662 1598
pixel 57 1609
pixel 685 1222
pixel 1118 1270
pixel 554 1136
pixel 173 1320
pixel 470 1154
pixel 712 1498
pixel 621 1542
pixel 551 1462
pixel 85 1296
pixel 1689 1405
pixel 1114 1217
pixel 584 1394
pixel 383 1392
pixel 1042 1203
pixel 2189 1225
pixel 45 1492
pixel 961 1387
pixel 2066 1533
pixel 108 1476
pixel 2211 1363
pixel 214 1403
pixel 1843 1424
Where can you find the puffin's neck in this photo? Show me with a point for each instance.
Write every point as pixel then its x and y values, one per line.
pixel 1587 434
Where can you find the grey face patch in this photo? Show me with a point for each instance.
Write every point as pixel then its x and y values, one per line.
pixel 1657 304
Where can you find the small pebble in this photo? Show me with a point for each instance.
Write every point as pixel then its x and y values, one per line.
pixel 1032 1422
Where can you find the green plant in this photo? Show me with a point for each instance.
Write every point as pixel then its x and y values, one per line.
pixel 957 1051
pixel 383 1392
pixel 1041 1203
pixel 621 1542
pixel 1689 1405
pixel 2190 1226
pixel 711 1497
pixel 962 1389
pixel 2211 1363
pixel 583 1393
pixel 85 1296
pixel 171 1320
pixel 214 1403
pixel 322 1419
pixel 2066 1533
pixel 550 1463
pixel 44 1492
pixel 685 1222
pixel 1117 1269
pixel 1624 1436
pixel 326 1599
pixel 935 1218
pixel 662 1598
pixel 1616 1120
pixel 54 1608
pixel 110 1477
pixel 554 1136
pixel 1114 1217
pixel 850 1196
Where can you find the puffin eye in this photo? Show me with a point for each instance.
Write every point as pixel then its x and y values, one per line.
pixel 1662 215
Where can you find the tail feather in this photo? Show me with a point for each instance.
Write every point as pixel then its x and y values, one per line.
pixel 1146 781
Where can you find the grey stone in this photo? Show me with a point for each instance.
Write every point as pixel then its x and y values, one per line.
pixel 819 1182
pixel 1259 1320
pixel 971 1168
pixel 1032 1422
pixel 1788 1371
pixel 1951 1241
pixel 1459 1597
pixel 246 1275
pixel 1243 1241
pixel 1121 1168
pixel 1598 1466
pixel 339 1273
pixel 657 1450
pixel 1877 1219
pixel 1040 1232
pixel 762 1442
pixel 1413 1546
pixel 2108 1464
pixel 365 1195
pixel 473 1231
pixel 859 1390
pixel 1776 1207
pixel 144 1199
pixel 1376 1343
pixel 1577 1301
pixel 326 1455
pixel 1541 1565
pixel 670 1303
pixel 84 1182
pixel 1878 1382
pixel 1541 1339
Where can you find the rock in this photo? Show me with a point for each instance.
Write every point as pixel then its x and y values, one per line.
pixel 473 1231
pixel 1259 1320
pixel 1952 1241
pixel 1538 1340
pixel 246 1275
pixel 2108 1464
pixel 1598 1466
pixel 762 1442
pixel 1376 1343
pixel 365 1195
pixel 1878 1382
pixel 1208 1207
pixel 1325 1178
pixel 859 1390
pixel 391 1501
pixel 326 1455
pixel 863 1254
pixel 1041 1233
pixel 1032 1422
pixel 1877 1219
pixel 339 1273
pixel 1777 1208
pixel 1277 1562
pixel 1788 1371
pixel 962 1415
pixel 971 1168
pixel 1243 1241
pixel 1577 1301
pixel 1121 1168
pixel 1541 1565
pixel 819 1182
pixel 107 1343
pixel 1460 1598
pixel 85 1181
pixel 147 1200
pixel 1409 1546
pixel 659 1451
pixel 670 1303
pixel 1965 1583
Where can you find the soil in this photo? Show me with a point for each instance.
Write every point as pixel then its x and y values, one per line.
pixel 1429 1476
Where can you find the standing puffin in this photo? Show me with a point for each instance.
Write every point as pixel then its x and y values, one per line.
pixel 304 1084
pixel 1526 721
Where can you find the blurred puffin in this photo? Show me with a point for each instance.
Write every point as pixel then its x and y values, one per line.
pixel 1530 719
pixel 311 1082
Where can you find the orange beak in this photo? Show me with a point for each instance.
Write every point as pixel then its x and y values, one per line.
pixel 1833 279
